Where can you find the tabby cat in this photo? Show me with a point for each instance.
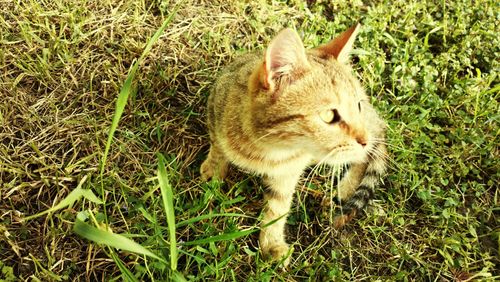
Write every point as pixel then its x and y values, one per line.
pixel 278 112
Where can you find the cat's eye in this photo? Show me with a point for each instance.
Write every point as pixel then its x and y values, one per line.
pixel 359 106
pixel 330 116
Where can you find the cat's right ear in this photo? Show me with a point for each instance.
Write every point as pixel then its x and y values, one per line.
pixel 341 46
pixel 284 55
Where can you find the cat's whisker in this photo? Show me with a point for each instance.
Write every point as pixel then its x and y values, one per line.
pixel 332 172
pixel 344 167
pixel 264 136
pixel 310 175
pixel 382 141
pixel 378 154
pixel 321 163
pixel 314 168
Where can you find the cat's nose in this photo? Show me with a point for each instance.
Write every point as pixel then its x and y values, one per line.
pixel 361 141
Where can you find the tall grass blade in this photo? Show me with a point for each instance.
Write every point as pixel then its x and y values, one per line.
pixel 232 235
pixel 127 88
pixel 222 237
pixel 168 205
pixel 111 239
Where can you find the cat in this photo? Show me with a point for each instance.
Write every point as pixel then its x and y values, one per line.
pixel 277 112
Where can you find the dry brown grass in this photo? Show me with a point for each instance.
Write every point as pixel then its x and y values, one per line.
pixel 62 67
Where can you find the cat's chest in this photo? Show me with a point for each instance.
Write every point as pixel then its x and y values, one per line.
pixel 268 162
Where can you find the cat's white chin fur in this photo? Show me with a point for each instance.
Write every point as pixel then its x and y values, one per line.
pixel 356 155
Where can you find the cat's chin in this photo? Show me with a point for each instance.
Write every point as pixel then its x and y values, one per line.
pixel 346 157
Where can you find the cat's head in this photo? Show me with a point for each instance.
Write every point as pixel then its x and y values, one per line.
pixel 310 99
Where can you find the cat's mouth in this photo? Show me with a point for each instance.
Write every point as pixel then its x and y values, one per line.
pixel 345 154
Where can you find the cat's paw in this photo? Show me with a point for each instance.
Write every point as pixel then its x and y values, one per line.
pixel 209 170
pixel 278 252
pixel 342 219
pixel 206 170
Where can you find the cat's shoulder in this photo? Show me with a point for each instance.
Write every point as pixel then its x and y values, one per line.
pixel 244 61
pixel 242 66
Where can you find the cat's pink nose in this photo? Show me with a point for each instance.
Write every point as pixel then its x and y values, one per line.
pixel 361 141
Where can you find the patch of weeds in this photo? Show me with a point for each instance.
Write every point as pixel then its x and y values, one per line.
pixel 7 273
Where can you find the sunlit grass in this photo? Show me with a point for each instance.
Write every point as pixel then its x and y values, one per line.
pixel 103 98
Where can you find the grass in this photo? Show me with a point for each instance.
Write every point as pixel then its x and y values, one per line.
pixel 430 67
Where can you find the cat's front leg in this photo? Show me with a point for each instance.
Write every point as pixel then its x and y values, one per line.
pixel 278 199
pixel 357 187
pixel 347 187
pixel 216 164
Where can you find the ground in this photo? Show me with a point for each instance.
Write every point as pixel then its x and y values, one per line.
pixel 430 67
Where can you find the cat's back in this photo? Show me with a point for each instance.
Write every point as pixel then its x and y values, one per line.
pixel 236 74
pixel 230 87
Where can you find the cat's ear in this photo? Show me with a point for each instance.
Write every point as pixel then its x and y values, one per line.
pixel 284 55
pixel 341 46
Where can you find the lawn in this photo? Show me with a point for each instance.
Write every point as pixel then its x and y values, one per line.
pixel 431 69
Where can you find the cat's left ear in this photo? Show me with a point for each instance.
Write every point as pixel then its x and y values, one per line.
pixel 341 46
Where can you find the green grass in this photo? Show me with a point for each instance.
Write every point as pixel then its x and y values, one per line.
pixel 431 69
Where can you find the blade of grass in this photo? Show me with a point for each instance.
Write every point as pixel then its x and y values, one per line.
pixel 123 98
pixel 178 277
pixel 426 39
pixel 111 239
pixel 222 237
pixel 208 216
pixel 72 197
pixel 232 235
pixel 126 274
pixel 127 87
pixel 168 205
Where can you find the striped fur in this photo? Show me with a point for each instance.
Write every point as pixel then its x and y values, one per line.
pixel 356 200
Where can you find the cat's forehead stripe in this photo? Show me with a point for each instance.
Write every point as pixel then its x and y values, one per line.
pixel 280 120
